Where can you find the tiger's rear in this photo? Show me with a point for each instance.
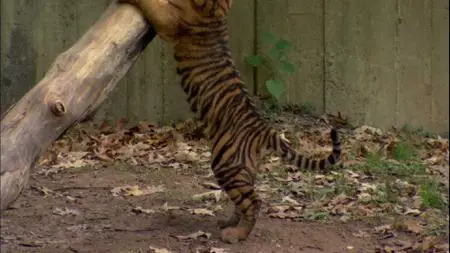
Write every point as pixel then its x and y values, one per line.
pixel 237 132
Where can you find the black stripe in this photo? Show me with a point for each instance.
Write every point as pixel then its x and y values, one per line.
pixel 202 55
pixel 190 68
pixel 246 120
pixel 219 95
pixel 244 196
pixel 212 74
pixel 254 203
pixel 197 89
pixel 322 164
pixel 300 160
pixel 214 24
pixel 220 175
pixel 249 138
pixel 235 183
pixel 228 107
pixel 208 91
pixel 264 139
pixel 331 159
pixel 221 152
pixel 205 82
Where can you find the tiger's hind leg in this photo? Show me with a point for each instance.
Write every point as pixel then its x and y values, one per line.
pixel 238 183
pixel 231 221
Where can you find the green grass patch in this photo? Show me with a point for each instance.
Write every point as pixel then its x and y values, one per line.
pixel 403 152
pixel 343 186
pixel 381 167
pixel 430 194
pixel 318 216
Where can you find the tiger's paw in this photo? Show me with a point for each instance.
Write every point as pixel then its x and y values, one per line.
pixel 234 234
pixel 230 222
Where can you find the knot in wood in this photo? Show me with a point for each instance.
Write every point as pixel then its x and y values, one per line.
pixel 57 108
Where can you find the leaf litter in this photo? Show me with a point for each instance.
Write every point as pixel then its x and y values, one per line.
pixel 382 174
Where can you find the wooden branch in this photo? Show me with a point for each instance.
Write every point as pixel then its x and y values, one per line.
pixel 78 81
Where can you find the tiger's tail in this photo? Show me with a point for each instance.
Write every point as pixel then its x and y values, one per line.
pixel 304 162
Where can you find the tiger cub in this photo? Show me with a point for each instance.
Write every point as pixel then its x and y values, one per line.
pixel 215 91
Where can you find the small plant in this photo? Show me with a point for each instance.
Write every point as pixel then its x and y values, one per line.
pixel 408 129
pixel 343 186
pixel 270 109
pixel 307 108
pixel 319 216
pixel 383 193
pixel 430 195
pixel 276 62
pixel 403 152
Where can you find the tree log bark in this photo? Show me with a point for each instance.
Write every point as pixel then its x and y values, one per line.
pixel 78 81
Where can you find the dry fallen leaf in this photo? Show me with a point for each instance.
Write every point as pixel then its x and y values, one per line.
pixel 185 153
pixel 217 250
pixel 210 185
pixel 413 226
pixel 283 137
pixel 427 244
pixel 166 207
pixel 217 195
pixel 361 234
pixel 364 131
pixel 284 212
pixel 194 236
pixel 412 211
pixel 388 249
pixel 135 190
pixel 44 190
pixel 201 211
pixel 383 228
pixel 148 190
pixel 48 158
pixel 290 200
pixel 139 209
pixel 159 250
pixel 65 211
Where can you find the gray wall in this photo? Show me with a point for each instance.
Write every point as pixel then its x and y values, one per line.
pixel 383 62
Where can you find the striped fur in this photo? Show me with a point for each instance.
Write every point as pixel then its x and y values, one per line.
pixel 237 133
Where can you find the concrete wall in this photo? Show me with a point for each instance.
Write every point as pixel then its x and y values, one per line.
pixel 383 62
pixel 389 60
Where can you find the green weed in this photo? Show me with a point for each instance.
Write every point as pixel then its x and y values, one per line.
pixel 320 215
pixel 275 62
pixel 403 152
pixel 430 195
pixel 307 108
pixel 382 167
pixel 410 130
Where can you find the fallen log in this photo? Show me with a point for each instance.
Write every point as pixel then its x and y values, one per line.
pixel 76 84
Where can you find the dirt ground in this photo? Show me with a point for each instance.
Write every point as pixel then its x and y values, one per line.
pixel 105 223
pixel 87 209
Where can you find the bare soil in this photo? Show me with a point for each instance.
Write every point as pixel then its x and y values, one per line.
pixel 105 223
